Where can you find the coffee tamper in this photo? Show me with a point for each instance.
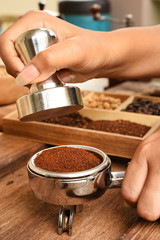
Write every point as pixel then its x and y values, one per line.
pixel 49 98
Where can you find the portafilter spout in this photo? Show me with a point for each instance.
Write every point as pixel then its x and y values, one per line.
pixel 49 98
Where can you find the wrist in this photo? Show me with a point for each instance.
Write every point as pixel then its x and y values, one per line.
pixel 104 54
pixel 114 51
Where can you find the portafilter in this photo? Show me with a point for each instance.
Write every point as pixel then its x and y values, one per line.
pixel 70 190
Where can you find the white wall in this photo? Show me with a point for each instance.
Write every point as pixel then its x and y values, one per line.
pixel 18 7
pixel 151 12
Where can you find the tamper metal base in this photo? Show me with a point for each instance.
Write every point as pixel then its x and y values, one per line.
pixel 49 103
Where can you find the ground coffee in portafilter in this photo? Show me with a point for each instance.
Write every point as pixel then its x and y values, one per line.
pixel 66 159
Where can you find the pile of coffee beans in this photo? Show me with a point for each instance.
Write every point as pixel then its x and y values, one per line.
pixel 101 101
pixel 144 106
pixel 117 126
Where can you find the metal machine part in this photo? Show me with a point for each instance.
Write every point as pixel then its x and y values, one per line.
pixel 78 13
pixel 72 189
pixel 49 98
pixel 96 11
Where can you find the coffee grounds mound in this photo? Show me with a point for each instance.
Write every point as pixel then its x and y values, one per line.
pixel 117 126
pixel 66 159
pixel 120 127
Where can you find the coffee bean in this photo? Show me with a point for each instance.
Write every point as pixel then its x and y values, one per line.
pixel 144 106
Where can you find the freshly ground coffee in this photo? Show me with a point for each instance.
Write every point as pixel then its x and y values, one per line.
pixel 120 127
pixel 144 106
pixel 74 120
pixel 66 159
pixel 117 126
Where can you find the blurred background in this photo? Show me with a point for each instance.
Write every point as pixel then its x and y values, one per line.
pixel 99 15
pixel 145 12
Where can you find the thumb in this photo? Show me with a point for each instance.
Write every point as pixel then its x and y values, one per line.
pixel 62 55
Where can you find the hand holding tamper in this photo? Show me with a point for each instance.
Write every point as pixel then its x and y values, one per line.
pixel 49 98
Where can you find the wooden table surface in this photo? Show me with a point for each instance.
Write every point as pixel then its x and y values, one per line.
pixel 24 217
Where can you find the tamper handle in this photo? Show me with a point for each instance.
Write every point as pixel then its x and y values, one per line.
pixel 32 42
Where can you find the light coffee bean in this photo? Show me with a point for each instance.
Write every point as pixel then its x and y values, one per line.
pixel 101 101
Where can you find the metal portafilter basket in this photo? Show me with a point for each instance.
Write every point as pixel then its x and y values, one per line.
pixel 71 190
pixel 49 98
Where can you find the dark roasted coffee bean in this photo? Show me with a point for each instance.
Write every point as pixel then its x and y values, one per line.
pixel 144 106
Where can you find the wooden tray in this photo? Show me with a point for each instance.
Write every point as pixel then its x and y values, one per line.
pixel 111 143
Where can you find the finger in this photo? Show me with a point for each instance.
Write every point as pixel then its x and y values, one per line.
pixel 68 76
pixel 64 54
pixel 13 63
pixel 135 177
pixel 148 206
pixel 31 20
